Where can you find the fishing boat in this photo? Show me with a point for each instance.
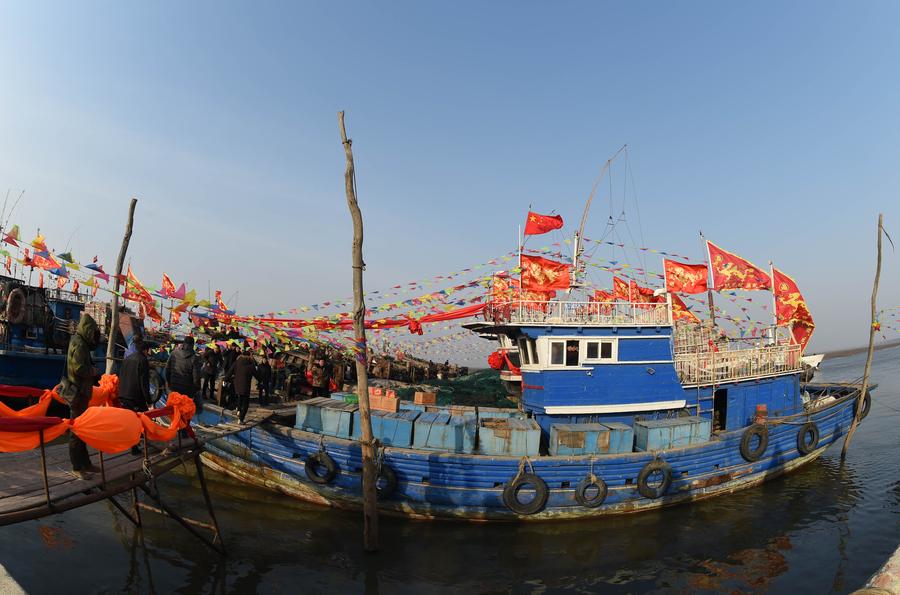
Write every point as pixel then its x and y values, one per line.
pixel 626 405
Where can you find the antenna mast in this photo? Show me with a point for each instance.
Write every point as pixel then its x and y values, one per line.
pixel 587 207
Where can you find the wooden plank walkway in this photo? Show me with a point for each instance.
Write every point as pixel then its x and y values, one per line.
pixel 23 495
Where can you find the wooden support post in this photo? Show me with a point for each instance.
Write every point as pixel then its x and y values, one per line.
pixel 370 495
pixel 865 382
pixel 114 318
pixel 177 518
pixel 44 469
pixel 208 500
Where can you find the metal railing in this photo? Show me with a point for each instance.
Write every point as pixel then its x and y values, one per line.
pixel 595 313
pixel 713 367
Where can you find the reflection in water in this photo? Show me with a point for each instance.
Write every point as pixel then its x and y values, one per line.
pixel 824 528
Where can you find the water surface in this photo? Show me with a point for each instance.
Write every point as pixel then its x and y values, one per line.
pixel 823 529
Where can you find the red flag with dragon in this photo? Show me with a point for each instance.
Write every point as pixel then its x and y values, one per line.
pixel 730 271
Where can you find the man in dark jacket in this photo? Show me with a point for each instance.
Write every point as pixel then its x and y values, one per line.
pixel 264 381
pixel 228 358
pixel 183 372
pixel 134 381
pixel 209 371
pixel 241 373
pixel 78 386
pixel 320 374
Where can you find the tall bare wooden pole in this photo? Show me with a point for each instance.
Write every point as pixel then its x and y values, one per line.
pixel 865 382
pixel 370 495
pixel 114 320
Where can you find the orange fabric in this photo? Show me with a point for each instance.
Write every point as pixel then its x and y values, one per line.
pixel 107 393
pixel 184 409
pixel 39 409
pixel 108 429
pixel 22 441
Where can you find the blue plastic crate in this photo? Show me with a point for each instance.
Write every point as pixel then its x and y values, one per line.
pixel 423 425
pixel 578 439
pixel 410 406
pixel 660 434
pixel 391 429
pixel 326 416
pixel 701 429
pixel 504 436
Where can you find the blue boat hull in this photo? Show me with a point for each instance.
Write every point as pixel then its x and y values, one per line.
pixel 40 370
pixel 459 486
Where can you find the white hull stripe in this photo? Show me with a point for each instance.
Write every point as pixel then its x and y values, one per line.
pixel 614 408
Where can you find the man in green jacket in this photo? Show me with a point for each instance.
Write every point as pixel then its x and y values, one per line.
pixel 80 378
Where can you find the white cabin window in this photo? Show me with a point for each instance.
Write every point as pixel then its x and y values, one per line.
pixel 523 352
pixel 557 353
pixel 532 349
pixel 600 351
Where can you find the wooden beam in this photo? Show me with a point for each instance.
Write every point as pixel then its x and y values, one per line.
pixel 114 318
pixel 370 495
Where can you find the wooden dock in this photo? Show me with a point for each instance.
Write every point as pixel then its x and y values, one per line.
pixel 40 482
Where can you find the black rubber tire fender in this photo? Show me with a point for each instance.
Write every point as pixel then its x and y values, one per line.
pixel 320 468
pixel 760 430
pixel 643 479
pixel 808 429
pixel 587 483
pixel 388 482
pixel 15 306
pixel 511 494
pixel 866 407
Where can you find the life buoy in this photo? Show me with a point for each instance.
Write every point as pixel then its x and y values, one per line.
pixel 320 468
pixel 756 430
pixel 385 482
pixel 643 479
pixel 811 430
pixel 866 406
pixel 589 484
pixel 513 488
pixel 15 306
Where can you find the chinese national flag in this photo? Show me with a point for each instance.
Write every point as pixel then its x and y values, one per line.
pixel 730 271
pixel 684 278
pixel 542 274
pixel 791 308
pixel 620 290
pixel 681 312
pixel 639 293
pixel 168 288
pixel 536 224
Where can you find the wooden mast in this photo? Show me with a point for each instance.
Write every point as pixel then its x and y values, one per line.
pixel 871 351
pixel 114 318
pixel 370 495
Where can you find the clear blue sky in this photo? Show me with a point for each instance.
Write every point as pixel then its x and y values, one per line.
pixel 773 127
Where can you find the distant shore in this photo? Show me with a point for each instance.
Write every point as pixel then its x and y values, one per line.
pixel 855 350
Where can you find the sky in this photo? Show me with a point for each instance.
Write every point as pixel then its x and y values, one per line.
pixel 773 127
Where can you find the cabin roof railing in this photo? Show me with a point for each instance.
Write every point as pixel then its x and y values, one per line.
pixel 716 367
pixel 573 313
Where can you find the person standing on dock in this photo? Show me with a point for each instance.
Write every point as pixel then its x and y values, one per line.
pixel 319 374
pixel 241 374
pixel 77 386
pixel 264 381
pixel 209 371
pixel 183 373
pixel 134 381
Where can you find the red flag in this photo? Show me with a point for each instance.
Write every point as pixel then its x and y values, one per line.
pixel 680 311
pixel 134 291
pixel 75 286
pixel 176 317
pixel 639 293
pixel 8 264
pixel 536 224
pixel 791 308
pixel 168 288
pixel 542 274
pixel 730 271
pixel 61 282
pixel 41 281
pixel 620 290
pixel 684 278
pixel 602 296
pixel 504 289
